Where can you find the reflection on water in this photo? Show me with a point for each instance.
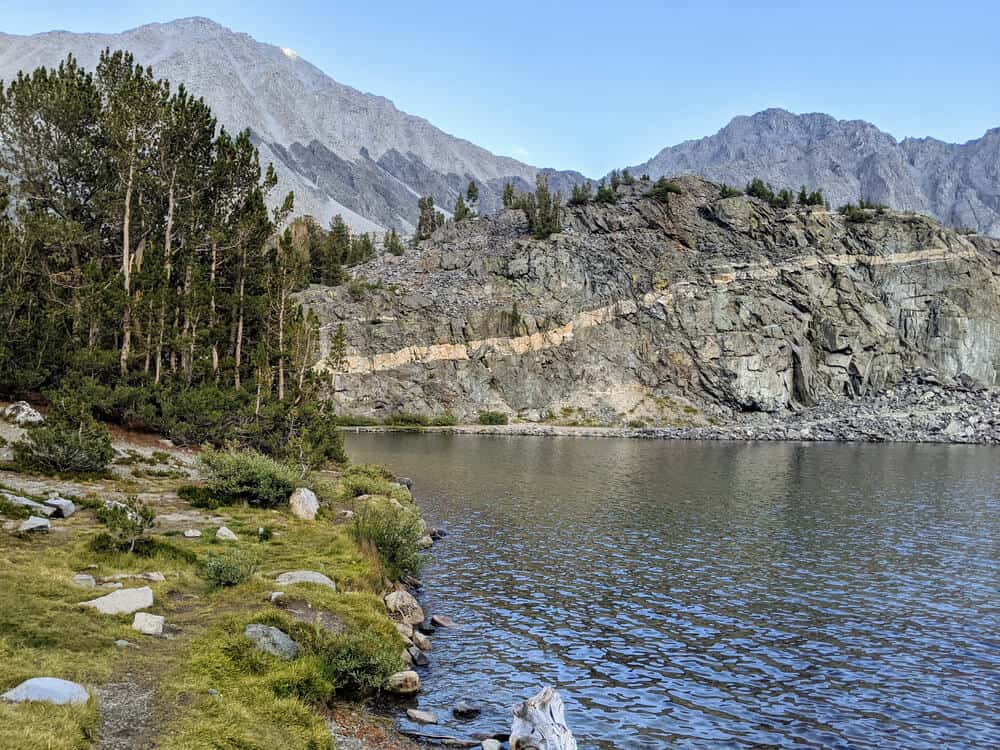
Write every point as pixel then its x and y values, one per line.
pixel 714 595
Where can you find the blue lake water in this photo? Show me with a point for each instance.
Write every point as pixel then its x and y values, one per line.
pixel 714 595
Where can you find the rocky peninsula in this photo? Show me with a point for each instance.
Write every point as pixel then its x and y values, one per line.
pixel 699 315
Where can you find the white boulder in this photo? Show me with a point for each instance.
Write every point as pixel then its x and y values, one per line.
pixel 123 601
pixel 47 690
pixel 304 504
pixel 22 414
pixel 305 576
pixel 148 624
pixel 225 535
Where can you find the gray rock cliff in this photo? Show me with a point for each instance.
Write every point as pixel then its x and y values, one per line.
pixel 685 313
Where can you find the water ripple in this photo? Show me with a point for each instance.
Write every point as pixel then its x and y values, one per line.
pixel 692 595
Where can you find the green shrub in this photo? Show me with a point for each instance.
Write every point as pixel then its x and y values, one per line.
pixel 662 190
pixel 729 192
pixel 126 521
pixel 492 417
pixel 606 194
pixel 365 479
pixel 408 419
pixel 394 532
pixel 70 441
pixel 198 497
pixel 444 420
pixel 237 477
pixel 359 662
pixel 581 194
pixel 230 568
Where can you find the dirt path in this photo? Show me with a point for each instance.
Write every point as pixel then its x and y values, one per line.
pixel 126 713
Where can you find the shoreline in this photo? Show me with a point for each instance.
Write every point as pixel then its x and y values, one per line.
pixel 922 409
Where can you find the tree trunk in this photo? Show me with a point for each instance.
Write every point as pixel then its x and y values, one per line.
pixel 212 321
pixel 167 269
pixel 127 272
pixel 239 321
pixel 540 724
pixel 281 344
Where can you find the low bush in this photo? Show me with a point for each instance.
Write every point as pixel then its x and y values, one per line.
pixel 444 420
pixel 70 441
pixel 662 190
pixel 238 477
pixel 198 497
pixel 729 192
pixel 359 662
pixel 363 479
pixel 230 568
pixel 408 419
pixel 126 521
pixel 493 417
pixel 395 532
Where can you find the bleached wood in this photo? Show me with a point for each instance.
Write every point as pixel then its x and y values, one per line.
pixel 540 724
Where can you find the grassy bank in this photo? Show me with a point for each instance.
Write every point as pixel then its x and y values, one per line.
pixel 209 687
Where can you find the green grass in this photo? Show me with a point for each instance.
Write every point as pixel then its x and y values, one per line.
pixel 261 701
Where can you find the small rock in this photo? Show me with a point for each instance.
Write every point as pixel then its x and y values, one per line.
pixel 465 710
pixel 491 744
pixel 192 533
pixel 275 597
pixel 426 627
pixel 347 515
pixel 63 508
pixel 84 581
pixel 407 657
pixel 421 641
pixel 421 717
pixel 272 641
pixel 403 607
pixel 403 683
pixel 406 482
pixel 22 414
pixel 148 624
pixel 405 630
pixel 36 525
pixel 122 643
pixel 225 534
pixel 417 657
pixel 304 504
pixel 305 576
pixel 123 601
pixel 47 690
pixel 442 621
pixel 425 542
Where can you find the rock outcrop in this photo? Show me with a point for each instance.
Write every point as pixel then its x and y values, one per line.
pixel 686 313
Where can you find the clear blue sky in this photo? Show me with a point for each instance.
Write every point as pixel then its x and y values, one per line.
pixel 596 85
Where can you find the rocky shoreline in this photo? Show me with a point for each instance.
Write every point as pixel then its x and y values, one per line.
pixel 923 408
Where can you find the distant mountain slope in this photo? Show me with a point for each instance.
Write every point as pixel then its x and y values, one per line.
pixel 340 150
pixel 958 184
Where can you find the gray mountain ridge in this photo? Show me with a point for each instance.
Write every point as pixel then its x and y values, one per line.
pixel 340 150
pixel 354 153
pixel 959 184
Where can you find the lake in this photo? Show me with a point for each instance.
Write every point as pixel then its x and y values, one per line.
pixel 713 595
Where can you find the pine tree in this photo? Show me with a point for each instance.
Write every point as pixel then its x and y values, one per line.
pixel 392 243
pixel 509 198
pixel 428 220
pixel 472 196
pixel 461 211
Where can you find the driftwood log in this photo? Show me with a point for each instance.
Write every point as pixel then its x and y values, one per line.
pixel 540 724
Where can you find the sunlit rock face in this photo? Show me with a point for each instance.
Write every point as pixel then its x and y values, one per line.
pixel 680 312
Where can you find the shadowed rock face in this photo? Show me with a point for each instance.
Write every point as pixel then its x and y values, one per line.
pixel 957 183
pixel 675 313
